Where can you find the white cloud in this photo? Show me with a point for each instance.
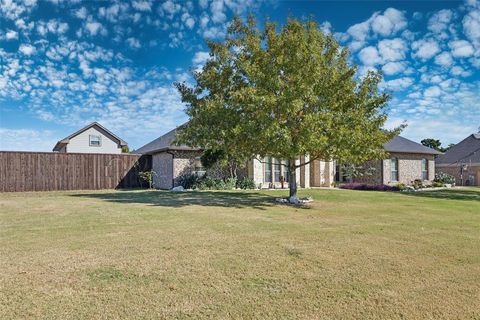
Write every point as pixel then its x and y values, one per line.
pixel 399 84
pixel 444 59
pixel 389 23
pixel 461 48
pixel 392 49
pixel 392 68
pixel 26 140
pixel 369 56
pixel 27 49
pixel 94 28
pixel 11 34
pixel 133 43
pixel 142 5
pixel 425 49
pixel 440 20
pixel 81 13
pixel 471 27
pixel 170 7
pixel 433 91
pixel 200 57
pixel 217 9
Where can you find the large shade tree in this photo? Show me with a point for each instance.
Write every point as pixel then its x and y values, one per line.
pixel 285 92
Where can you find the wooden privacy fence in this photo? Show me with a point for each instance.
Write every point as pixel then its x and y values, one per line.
pixel 45 171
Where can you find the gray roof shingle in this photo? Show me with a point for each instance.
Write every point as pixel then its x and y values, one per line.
pixel 164 143
pixel 401 144
pixel 466 151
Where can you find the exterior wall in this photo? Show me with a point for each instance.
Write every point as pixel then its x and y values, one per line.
pixel 376 174
pixel 471 176
pixel 183 163
pixel 256 171
pixel 322 173
pixel 162 164
pixel 409 168
pixel 81 143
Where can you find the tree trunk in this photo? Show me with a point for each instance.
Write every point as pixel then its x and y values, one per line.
pixel 292 179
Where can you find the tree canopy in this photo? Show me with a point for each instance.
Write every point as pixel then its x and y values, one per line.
pixel 285 92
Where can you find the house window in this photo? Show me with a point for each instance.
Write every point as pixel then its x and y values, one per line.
pixel 268 169
pixel 95 141
pixel 394 169
pixel 277 170
pixel 199 169
pixel 424 169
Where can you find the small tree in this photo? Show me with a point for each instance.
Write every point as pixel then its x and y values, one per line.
pixel 147 176
pixel 433 143
pixel 285 93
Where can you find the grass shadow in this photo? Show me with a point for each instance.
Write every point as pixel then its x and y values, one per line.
pixel 449 194
pixel 231 199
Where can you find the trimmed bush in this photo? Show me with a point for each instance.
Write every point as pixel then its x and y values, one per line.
pixel 189 181
pixel 437 184
pixel 444 178
pixel 368 187
pixel 246 183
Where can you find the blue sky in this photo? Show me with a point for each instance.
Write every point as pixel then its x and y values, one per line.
pixel 64 64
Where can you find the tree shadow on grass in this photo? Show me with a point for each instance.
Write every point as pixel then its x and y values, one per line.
pixel 233 199
pixel 450 194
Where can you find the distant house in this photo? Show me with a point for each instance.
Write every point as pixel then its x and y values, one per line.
pixel 408 161
pixel 462 161
pixel 93 138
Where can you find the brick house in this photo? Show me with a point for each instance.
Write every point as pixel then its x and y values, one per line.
pixel 462 161
pixel 407 162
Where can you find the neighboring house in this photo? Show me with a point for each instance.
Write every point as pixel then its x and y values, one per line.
pixel 462 161
pixel 93 138
pixel 408 161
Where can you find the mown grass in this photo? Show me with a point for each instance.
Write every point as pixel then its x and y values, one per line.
pixel 155 254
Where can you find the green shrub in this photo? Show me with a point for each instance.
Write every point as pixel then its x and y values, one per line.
pixel 147 176
pixel 417 184
pixel 189 181
pixel 437 184
pixel 230 183
pixel 444 178
pixel 401 186
pixel 246 183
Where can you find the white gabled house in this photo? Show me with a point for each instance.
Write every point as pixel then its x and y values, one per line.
pixel 93 138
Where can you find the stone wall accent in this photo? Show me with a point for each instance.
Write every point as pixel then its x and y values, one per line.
pixel 183 163
pixel 162 165
pixel 409 168
pixel 373 171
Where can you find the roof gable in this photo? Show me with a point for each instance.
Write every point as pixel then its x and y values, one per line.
pixel 466 151
pixel 95 125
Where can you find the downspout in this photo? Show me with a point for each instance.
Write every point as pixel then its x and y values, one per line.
pixel 173 167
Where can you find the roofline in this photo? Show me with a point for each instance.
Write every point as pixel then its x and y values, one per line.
pixel 434 152
pixel 456 164
pixel 172 148
pixel 66 140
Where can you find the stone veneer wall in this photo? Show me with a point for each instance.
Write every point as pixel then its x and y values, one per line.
pixel 409 168
pixel 183 163
pixel 374 171
pixel 162 165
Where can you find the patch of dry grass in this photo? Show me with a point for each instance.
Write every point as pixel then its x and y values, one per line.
pixel 154 254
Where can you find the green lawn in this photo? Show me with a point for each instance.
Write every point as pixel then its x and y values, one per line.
pixel 156 254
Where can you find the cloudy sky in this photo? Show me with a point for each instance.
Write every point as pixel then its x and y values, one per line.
pixel 64 64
